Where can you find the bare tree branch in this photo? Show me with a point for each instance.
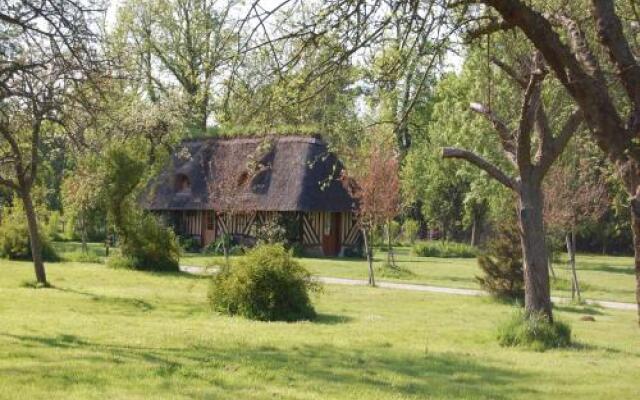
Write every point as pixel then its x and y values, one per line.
pixel 491 169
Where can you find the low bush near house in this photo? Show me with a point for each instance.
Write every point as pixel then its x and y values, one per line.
pixel 148 246
pixel 267 285
pixel 14 238
pixel 444 249
pixel 534 331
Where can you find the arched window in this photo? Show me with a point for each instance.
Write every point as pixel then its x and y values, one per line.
pixel 182 183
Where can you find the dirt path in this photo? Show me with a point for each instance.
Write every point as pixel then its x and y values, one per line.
pixel 420 288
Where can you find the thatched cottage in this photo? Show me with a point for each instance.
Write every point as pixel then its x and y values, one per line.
pixel 238 186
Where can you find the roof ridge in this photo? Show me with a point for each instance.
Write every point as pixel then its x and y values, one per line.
pixel 245 140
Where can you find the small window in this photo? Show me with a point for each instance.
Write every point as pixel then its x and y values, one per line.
pixel 182 183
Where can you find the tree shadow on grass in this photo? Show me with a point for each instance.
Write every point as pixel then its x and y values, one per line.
pixel 331 319
pixel 320 370
pixel 578 309
pixel 611 269
pixel 122 302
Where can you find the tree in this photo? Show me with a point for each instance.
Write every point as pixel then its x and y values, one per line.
pixel 567 41
pixel 82 194
pixel 517 146
pixel 177 41
pixel 47 52
pixel 574 194
pixel 375 187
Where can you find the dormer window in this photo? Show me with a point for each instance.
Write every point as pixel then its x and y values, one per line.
pixel 182 183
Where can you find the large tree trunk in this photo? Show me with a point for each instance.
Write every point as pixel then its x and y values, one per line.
pixel 369 253
pixel 34 238
pixel 536 271
pixel 635 222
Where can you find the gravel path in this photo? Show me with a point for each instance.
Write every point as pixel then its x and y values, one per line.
pixel 419 288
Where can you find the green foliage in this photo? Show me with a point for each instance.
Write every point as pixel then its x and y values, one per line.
pixel 144 240
pixel 534 331
pixel 267 284
pixel 189 244
pixel 150 245
pixel 14 238
pixel 52 228
pixel 501 264
pixel 410 229
pixel 444 249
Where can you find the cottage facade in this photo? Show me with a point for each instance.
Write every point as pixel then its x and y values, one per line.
pixel 240 186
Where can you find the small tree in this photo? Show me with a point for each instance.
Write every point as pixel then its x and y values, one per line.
pixel 375 187
pixel 574 194
pixel 229 184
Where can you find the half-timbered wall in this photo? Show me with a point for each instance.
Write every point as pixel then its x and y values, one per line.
pixel 313 225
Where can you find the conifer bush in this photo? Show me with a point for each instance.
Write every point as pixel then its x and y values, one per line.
pixel 267 285
pixel 501 264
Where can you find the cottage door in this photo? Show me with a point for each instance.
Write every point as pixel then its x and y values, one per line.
pixel 331 234
pixel 209 227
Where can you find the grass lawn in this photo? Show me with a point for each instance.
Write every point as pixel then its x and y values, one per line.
pixel 602 277
pixel 104 333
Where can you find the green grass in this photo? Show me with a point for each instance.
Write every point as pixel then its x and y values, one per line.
pixel 602 277
pixel 104 333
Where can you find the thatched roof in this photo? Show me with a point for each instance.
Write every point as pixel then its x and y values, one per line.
pixel 289 173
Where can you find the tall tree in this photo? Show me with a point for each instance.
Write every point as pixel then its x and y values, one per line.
pixel 571 39
pixel 187 42
pixel 47 51
pixel 533 130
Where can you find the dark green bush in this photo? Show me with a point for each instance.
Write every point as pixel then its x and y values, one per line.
pixel 501 264
pixel 14 238
pixel 267 285
pixel 444 249
pixel 534 331
pixel 149 245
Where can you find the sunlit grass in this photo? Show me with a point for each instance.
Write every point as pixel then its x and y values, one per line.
pixel 104 333
pixel 602 277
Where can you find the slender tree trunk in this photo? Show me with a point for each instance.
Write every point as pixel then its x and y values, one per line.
pixel 536 270
pixel 367 249
pixel 473 231
pixel 34 237
pixel 391 259
pixel 553 272
pixel 571 252
pixel 83 233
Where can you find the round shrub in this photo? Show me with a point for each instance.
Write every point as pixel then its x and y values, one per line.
pixel 14 239
pixel 534 331
pixel 267 285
